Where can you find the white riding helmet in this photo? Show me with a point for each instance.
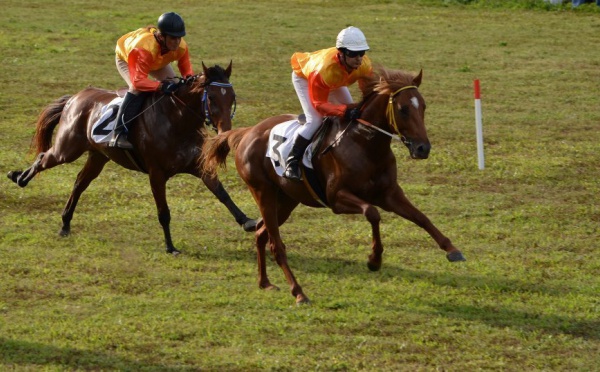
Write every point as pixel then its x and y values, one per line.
pixel 352 39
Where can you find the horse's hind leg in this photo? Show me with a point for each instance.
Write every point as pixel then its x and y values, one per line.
pixel 216 187
pixel 22 178
pixel 158 183
pixel 275 208
pixel 63 151
pixel 92 168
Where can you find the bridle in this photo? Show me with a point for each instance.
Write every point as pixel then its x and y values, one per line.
pixel 206 103
pixel 390 113
pixel 205 100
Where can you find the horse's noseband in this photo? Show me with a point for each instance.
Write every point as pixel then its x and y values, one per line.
pixel 206 103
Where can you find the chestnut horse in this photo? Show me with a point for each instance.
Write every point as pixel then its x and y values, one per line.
pixel 167 136
pixel 354 164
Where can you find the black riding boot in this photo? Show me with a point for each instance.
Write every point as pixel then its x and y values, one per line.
pixel 131 106
pixel 292 170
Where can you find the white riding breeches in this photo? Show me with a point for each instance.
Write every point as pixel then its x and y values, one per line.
pixel 313 118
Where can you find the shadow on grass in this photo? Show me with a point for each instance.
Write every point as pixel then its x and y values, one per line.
pixel 341 268
pixel 502 317
pixel 17 353
pixel 497 316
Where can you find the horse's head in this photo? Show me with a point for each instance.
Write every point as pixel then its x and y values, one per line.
pixel 404 110
pixel 218 96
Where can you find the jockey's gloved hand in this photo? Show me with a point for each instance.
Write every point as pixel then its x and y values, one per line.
pixel 168 86
pixel 352 113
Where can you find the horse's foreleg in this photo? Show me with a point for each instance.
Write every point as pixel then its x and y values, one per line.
pixel 216 187
pixel 348 203
pixel 158 184
pixel 398 203
pixel 92 168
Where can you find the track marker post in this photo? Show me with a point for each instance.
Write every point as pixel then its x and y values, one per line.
pixel 479 125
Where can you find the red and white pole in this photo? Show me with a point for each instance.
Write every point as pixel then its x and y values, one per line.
pixel 479 125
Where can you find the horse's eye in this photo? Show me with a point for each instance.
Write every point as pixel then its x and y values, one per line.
pixel 404 110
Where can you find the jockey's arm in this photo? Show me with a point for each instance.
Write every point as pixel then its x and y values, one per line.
pixel 184 64
pixel 319 91
pixel 139 62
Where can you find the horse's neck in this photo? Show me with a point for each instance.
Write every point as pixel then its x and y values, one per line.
pixel 181 111
pixel 374 113
pixel 362 138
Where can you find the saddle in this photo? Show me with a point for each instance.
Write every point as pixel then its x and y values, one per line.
pixel 280 146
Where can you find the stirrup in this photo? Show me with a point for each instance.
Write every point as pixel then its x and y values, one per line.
pixel 119 141
pixel 293 172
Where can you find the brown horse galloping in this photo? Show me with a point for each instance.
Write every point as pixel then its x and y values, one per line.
pixel 354 164
pixel 167 138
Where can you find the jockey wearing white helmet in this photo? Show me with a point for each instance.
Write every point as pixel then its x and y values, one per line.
pixel 321 81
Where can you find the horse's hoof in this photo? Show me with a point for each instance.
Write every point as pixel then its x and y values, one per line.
pixel 302 300
pixel 64 233
pixel 373 267
pixel 267 286
pixel 455 256
pixel 250 225
pixel 13 176
pixel 173 252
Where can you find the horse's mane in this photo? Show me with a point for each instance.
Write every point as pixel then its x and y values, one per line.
pixel 385 81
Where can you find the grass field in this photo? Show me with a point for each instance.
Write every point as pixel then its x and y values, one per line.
pixel 109 298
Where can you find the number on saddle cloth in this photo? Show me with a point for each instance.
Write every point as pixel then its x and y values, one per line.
pixel 280 142
pixel 104 126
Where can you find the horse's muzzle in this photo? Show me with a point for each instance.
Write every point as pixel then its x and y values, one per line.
pixel 419 150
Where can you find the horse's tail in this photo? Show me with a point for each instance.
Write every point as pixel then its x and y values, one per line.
pixel 216 149
pixel 47 121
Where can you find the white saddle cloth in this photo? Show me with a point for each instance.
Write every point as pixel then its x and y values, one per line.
pixel 280 145
pixel 104 126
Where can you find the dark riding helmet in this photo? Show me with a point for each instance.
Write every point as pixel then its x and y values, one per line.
pixel 171 24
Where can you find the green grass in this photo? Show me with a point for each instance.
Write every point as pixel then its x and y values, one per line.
pixel 109 298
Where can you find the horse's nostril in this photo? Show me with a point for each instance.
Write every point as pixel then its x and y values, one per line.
pixel 423 150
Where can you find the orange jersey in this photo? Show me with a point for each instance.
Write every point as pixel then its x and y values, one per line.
pixel 325 72
pixel 142 52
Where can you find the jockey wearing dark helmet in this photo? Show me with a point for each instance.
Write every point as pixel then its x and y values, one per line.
pixel 171 24
pixel 144 53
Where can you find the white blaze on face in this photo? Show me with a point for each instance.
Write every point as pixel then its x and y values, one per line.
pixel 415 102
pixel 223 91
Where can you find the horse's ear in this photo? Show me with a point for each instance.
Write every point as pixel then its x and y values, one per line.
pixel 204 68
pixel 228 70
pixel 417 79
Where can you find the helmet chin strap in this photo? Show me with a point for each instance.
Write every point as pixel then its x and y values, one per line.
pixel 160 38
